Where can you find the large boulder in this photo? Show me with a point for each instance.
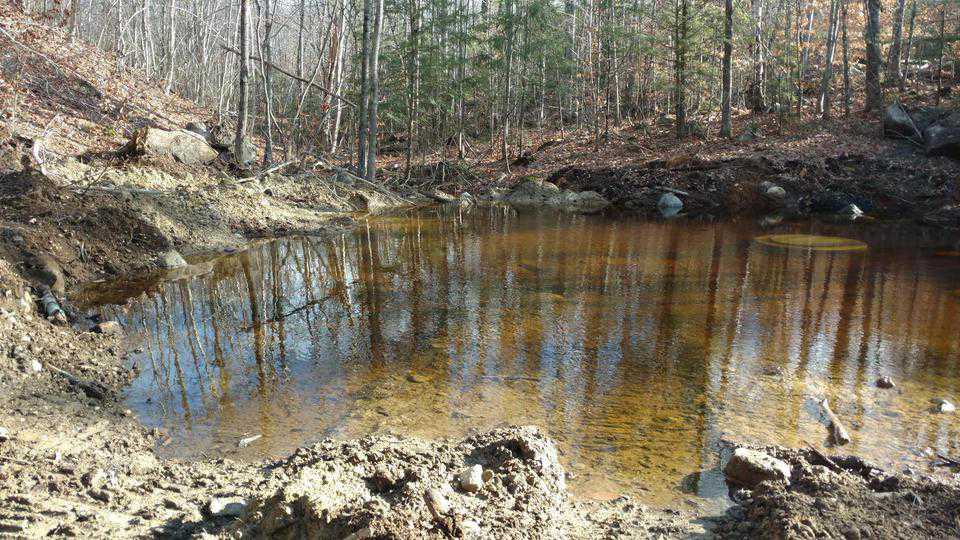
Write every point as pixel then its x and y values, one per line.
pixel 184 146
pixel 747 468
pixel 941 140
pixel 533 193
pixel 898 124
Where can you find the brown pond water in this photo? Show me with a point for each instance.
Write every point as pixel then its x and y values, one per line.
pixel 638 345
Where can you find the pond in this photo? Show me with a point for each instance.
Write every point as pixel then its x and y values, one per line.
pixel 638 345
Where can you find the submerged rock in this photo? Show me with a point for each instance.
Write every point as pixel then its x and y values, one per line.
pixel 747 468
pixel 885 382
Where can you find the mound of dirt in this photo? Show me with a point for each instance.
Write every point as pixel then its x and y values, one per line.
pixel 389 487
pixel 846 499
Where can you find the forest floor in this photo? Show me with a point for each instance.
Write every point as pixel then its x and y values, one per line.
pixel 73 462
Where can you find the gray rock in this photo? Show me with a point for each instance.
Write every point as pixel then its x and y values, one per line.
pixel 437 503
pixel 4 434
pixel 940 140
pixel 184 146
pixel 465 199
pixel 898 124
pixel 747 468
pixel 533 193
pixel 775 193
pixel 669 200
pixel 442 196
pixel 471 479
pixel 226 506
pixel 36 366
pixel 171 259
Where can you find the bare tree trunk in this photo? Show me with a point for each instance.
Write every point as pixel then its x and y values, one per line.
pixel 825 102
pixel 171 46
pixel 847 88
pixel 893 55
pixel 413 79
pixel 244 84
pixel 871 33
pixel 680 67
pixel 909 47
pixel 757 91
pixel 507 84
pixel 364 91
pixel 726 123
pixel 943 20
pixel 266 69
pixel 371 169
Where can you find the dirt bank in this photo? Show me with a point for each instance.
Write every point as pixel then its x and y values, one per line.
pixel 844 498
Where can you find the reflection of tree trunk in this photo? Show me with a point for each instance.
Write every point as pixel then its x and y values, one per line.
pixel 196 347
pixel 255 319
pixel 276 277
pixel 848 302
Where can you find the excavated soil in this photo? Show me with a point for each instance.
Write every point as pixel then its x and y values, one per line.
pixel 847 498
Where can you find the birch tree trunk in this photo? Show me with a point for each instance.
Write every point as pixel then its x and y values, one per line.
pixel 893 55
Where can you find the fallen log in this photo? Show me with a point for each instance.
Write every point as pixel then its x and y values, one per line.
pixel 837 431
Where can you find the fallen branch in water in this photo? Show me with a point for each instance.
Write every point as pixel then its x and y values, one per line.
pixel 837 431
pixel 948 461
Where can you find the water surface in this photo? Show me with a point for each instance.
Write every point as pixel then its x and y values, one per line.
pixel 637 345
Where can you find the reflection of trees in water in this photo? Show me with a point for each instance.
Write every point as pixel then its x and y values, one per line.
pixel 646 339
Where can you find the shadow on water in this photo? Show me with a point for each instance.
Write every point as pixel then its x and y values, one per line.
pixel 639 345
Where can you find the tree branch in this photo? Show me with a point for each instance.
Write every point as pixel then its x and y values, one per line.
pixel 292 76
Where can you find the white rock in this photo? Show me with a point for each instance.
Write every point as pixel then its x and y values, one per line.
pixel 36 366
pixel 471 479
pixel 748 468
pixel 945 406
pixel 247 441
pixel 4 434
pixel 226 506
pixel 851 211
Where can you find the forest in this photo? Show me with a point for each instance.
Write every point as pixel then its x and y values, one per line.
pixel 421 77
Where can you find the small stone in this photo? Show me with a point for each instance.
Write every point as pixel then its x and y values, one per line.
pixel 437 503
pixel 361 534
pixel 226 506
pixel 471 479
pixel 247 441
pixel 470 528
pixel 944 406
pixel 109 328
pixel 885 382
pixel 36 366
pixel 4 434
pixel 748 468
